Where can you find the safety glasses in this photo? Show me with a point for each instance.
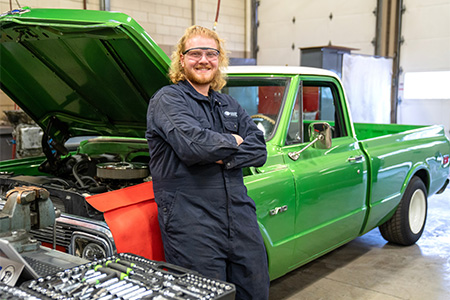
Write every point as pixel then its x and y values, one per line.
pixel 198 52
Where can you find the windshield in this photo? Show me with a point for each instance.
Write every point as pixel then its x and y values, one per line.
pixel 262 98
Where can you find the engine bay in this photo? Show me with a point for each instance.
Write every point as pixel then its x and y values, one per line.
pixel 98 165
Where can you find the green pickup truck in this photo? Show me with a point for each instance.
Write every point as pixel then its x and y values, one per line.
pixel 90 74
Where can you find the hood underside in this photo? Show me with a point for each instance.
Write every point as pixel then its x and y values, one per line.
pixel 79 72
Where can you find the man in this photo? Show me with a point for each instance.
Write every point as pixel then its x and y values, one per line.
pixel 199 141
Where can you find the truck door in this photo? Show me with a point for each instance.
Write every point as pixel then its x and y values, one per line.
pixel 330 184
pixel 272 186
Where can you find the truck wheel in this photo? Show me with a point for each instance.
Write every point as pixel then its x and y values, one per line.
pixel 407 224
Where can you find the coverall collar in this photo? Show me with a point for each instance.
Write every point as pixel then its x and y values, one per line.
pixel 189 89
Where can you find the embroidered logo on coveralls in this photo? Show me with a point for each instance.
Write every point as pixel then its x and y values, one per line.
pixel 230 113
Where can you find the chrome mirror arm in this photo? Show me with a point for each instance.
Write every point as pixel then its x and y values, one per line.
pixel 295 155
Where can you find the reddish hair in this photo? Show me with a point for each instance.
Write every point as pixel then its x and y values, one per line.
pixel 176 72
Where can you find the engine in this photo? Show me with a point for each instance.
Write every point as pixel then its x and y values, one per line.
pixel 97 166
pixel 81 175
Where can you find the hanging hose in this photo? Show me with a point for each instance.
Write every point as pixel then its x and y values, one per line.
pixel 76 174
pixel 10 4
pixel 82 179
pixel 217 15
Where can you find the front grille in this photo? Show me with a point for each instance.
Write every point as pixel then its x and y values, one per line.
pixel 63 235
pixel 70 228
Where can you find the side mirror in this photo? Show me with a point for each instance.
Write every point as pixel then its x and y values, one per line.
pixel 319 137
pixel 320 133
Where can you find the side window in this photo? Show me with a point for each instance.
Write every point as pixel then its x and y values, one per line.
pixel 262 98
pixel 315 103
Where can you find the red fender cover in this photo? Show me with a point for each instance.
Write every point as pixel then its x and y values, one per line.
pixel 132 216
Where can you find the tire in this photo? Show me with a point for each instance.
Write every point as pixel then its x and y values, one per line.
pixel 407 224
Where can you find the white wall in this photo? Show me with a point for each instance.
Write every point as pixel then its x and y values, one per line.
pixel 426 30
pixel 352 25
pixel 166 20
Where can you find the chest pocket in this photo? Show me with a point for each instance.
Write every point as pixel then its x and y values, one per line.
pixel 230 120
pixel 230 124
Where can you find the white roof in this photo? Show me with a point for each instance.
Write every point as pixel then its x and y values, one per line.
pixel 290 70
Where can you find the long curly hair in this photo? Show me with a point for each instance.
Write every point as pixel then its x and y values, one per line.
pixel 176 71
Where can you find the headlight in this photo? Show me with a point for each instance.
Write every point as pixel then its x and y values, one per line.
pixel 89 246
pixel 93 251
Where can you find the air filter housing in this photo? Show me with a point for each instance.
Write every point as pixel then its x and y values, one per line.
pixel 122 170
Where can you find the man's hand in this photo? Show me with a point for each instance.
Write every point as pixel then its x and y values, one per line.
pixel 238 138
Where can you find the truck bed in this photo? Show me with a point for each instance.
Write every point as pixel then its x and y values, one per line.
pixel 366 131
pixel 396 153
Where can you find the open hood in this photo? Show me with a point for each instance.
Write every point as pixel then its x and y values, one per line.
pixel 80 72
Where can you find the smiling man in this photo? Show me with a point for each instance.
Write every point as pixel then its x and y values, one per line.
pixel 199 141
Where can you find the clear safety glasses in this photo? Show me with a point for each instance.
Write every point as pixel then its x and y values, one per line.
pixel 198 52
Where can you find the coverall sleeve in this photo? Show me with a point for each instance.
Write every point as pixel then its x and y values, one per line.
pixel 174 121
pixel 252 151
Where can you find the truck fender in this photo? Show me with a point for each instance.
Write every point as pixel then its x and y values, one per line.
pixel 421 170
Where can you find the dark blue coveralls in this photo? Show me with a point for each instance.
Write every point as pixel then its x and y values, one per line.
pixel 207 220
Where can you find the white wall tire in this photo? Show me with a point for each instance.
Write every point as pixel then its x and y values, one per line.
pixel 407 224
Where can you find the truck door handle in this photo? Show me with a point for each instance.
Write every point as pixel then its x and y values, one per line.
pixel 355 159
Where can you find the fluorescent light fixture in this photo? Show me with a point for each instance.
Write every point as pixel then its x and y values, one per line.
pixel 427 85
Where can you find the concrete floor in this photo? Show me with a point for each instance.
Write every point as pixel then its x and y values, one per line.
pixel 371 269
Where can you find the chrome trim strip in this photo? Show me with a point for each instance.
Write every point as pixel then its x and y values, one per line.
pixel 108 246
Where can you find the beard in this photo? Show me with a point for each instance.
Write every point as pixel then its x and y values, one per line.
pixel 196 78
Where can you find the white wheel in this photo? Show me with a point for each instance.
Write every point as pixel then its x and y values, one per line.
pixel 417 211
pixel 408 222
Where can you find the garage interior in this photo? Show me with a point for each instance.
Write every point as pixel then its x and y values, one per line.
pixel 396 51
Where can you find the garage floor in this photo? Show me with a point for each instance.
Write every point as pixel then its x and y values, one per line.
pixel 371 269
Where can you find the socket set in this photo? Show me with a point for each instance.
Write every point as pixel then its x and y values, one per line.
pixel 9 292
pixel 127 276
